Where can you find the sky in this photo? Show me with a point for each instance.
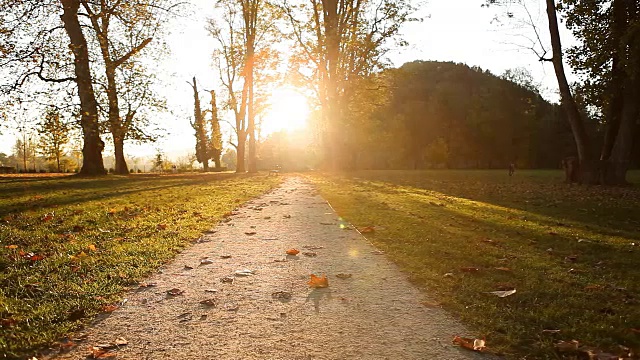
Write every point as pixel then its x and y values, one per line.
pixel 460 31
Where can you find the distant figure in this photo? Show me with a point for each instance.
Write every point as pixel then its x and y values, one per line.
pixel 512 169
pixel 174 169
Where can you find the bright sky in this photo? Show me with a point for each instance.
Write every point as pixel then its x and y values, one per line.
pixel 459 31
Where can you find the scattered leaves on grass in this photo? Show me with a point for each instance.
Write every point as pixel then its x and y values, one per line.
pixel 343 276
pixel 31 256
pixel 471 344
pixel 318 282
pixel 503 293
pixel 209 302
pixel 175 292
pixel 293 252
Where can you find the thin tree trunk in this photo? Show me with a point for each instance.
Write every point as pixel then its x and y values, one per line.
pixel 253 161
pixel 568 102
pixel 92 150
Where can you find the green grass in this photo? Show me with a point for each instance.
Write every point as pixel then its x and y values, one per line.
pixel 567 249
pixel 97 237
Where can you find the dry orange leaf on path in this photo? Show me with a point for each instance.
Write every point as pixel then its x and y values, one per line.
pixel 471 344
pixel 293 252
pixel 318 282
pixel 109 308
pixel 175 292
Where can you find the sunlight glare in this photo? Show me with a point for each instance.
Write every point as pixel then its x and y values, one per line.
pixel 289 111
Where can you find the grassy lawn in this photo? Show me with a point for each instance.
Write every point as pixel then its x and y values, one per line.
pixel 69 246
pixel 571 252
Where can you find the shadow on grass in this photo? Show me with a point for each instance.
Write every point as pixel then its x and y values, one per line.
pixel 104 188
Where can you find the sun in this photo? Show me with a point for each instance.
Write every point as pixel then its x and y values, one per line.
pixel 288 111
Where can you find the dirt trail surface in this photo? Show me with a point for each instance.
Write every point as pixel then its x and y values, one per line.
pixel 269 311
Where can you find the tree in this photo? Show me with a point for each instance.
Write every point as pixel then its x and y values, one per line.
pixel 244 32
pixel 93 145
pixel 200 127
pixel 122 30
pixel 54 135
pixel 608 59
pixel 215 134
pixel 342 41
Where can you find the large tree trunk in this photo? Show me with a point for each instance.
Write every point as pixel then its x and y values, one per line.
pixel 118 146
pixel 568 102
pixel 242 141
pixel 92 150
pixel 330 9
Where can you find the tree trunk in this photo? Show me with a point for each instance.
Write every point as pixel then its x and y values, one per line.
pixel 92 150
pixel 242 140
pixel 568 102
pixel 205 165
pixel 121 164
pixel 330 9
pixel 216 160
pixel 253 161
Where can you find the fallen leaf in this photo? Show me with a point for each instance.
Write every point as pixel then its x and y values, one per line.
pixel 206 262
pixel 161 226
pixel 367 230
pixel 98 352
pixel 13 247
pixel 502 294
pixel 503 269
pixel 121 341
pixel 430 304
pixel 109 308
pixel 244 272
pixel 175 292
pixel 47 217
pixel 281 295
pixel 227 280
pixel 293 252
pixel 471 344
pixel 211 290
pixel 343 276
pixel 594 287
pixel 565 346
pixel 35 257
pixel 92 247
pixel 310 254
pixel 250 233
pixel 112 212
pixel 469 269
pixel 225 256
pixel 318 282
pixel 209 302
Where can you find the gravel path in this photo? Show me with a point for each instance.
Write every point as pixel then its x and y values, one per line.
pixel 273 314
